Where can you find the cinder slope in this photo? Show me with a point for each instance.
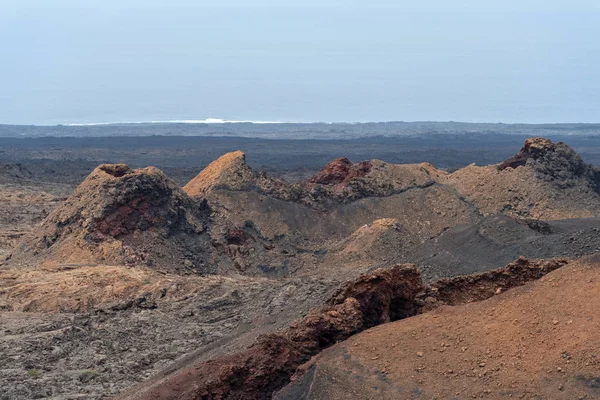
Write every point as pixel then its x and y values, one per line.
pixel 229 171
pixel 538 341
pixel 544 180
pixel 498 239
pixel 123 216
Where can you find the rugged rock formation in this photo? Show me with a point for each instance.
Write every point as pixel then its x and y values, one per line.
pixel 555 162
pixel 255 373
pixel 286 247
pixel 341 181
pixel 483 285
pixel 123 216
pixel 534 148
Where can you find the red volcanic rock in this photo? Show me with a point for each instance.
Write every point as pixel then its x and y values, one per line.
pixel 237 237
pixel 255 373
pixel 382 296
pixel 341 170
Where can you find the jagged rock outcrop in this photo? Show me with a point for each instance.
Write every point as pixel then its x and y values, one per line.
pixel 534 148
pixel 341 171
pixel 255 373
pixel 379 297
pixel 120 215
pixel 555 162
pixel 342 181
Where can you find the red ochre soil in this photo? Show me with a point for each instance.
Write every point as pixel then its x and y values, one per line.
pixel 539 341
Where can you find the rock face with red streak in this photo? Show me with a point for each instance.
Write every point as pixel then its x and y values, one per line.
pixel 124 216
pixel 340 171
pixel 380 296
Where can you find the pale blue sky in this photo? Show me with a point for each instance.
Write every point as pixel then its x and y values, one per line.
pixel 75 61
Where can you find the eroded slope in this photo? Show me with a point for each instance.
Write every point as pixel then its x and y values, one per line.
pixel 538 341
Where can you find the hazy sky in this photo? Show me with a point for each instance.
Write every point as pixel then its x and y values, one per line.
pixel 75 61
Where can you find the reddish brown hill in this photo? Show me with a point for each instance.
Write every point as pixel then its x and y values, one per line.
pixel 120 215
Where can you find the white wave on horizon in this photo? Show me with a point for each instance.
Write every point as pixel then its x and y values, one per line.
pixel 182 121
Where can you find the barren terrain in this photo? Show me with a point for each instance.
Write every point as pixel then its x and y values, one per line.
pixel 222 280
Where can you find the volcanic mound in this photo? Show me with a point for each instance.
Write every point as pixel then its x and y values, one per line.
pixel 229 171
pixel 544 180
pixel 119 216
pixel 342 181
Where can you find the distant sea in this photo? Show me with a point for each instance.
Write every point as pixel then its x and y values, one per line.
pixel 214 127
